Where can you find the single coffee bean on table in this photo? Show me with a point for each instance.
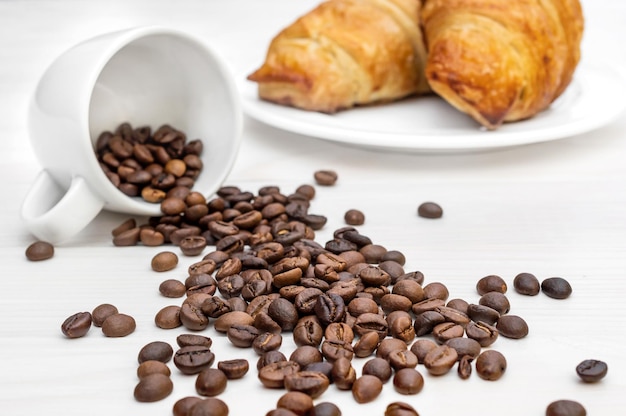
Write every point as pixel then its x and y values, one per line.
pixel 119 325
pixel 565 408
pixel 354 217
pixel 153 387
pixel 512 326
pixel 430 210
pixel 408 381
pixel 526 284
pixel 39 250
pixel 366 388
pixel 101 312
pixel 490 365
pixel 155 350
pixel 149 367
pixel 77 325
pixel 556 287
pixel 325 177
pixel 211 382
pixel 297 402
pixel 491 283
pixel 164 261
pixel 592 371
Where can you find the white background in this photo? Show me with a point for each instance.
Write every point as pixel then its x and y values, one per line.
pixel 553 209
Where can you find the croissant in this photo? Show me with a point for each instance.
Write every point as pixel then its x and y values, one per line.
pixel 346 53
pixel 501 60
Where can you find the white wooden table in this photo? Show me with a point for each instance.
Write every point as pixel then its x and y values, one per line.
pixel 553 209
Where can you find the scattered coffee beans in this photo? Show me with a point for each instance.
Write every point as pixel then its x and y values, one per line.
pixel 164 261
pixel 565 408
pixel 39 250
pixel 77 325
pixel 592 371
pixel 430 210
pixel 556 287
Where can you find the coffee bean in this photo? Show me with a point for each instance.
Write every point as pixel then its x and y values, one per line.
pixel 464 369
pixel 326 409
pixel 440 360
pixel 312 383
pixel 211 382
pixel 490 365
pixel 149 367
pixel 400 409
pixel 128 224
pixel 273 375
pixel 491 283
pixel 408 381
pixel 210 406
pixel 366 388
pixel 192 317
pixel 482 313
pixel 436 290
pixel 421 347
pixel 77 325
pixel 565 408
pixel 39 250
pixel 308 331
pixel 266 341
pixel 172 288
pixel 526 284
pixel 343 374
pixel 164 261
pixel 151 237
pixel 556 287
pixel 325 177
pixel 426 321
pixel 193 245
pixel 482 332
pixel 186 340
pixel 512 326
pixel 378 367
pixel 270 357
pixel 184 405
pixel 127 238
pixel 284 313
pixel 193 359
pixel 366 344
pixel 229 319
pixel 306 355
pixel 156 350
pixel 153 388
pixel 118 325
pixel 234 369
pixel 592 371
pixel 430 210
pixel 102 312
pixel 168 317
pixel 354 217
pixel 409 288
pixel 242 336
pixel 497 301
pixel 299 403
pixel 465 347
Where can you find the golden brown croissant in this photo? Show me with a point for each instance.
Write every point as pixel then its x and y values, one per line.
pixel 345 53
pixel 501 60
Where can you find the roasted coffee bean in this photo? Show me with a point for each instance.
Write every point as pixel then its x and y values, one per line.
pixel 273 375
pixel 460 305
pixel 490 365
pixel 118 325
pixel 205 266
pixel 359 306
pixel 440 360
pixel 324 367
pixel 326 409
pixel 556 287
pixel 482 332
pixel 102 312
pixel 124 226
pixel 192 317
pixel 526 284
pixel 436 290
pixel 200 283
pixel 192 245
pixel 164 261
pixel 309 382
pixel 465 347
pixel 401 326
pixel 373 253
pixel 193 359
pixel 399 359
pixel 427 305
pixel 421 347
pixel 299 403
pixel 491 283
pixel 399 409
pixel 371 322
pixel 374 276
pixel 77 325
pixel 464 369
pixel 284 313
pixel 308 331
pixel 416 276
pixel 410 289
pixel 39 250
pixel 270 357
pixel 187 340
pixel 388 345
pixel 482 313
pixel 156 350
pixel 149 367
pixel 333 350
pixel 266 341
pixel 339 331
pixel 325 177
pixel 408 381
pixel 453 315
pixel 512 326
pixel 234 369
pixel 153 388
pixel 366 388
pixel 394 302
pixel 497 301
pixel 151 237
pixel 343 374
pixel 242 336
pixel 429 210
pixel 426 321
pixel 172 288
pixel 184 405
pixel 127 238
pixel 565 408
pixel 168 317
pixel 366 344
pixel 229 319
pixel 394 256
pixel 354 217
pixel 329 308
pixel 305 300
pixel 378 367
pixel 210 406
pixel 211 382
pixel 592 371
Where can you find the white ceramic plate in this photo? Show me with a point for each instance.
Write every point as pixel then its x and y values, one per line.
pixel 428 124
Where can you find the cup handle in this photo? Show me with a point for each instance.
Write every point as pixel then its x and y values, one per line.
pixel 53 214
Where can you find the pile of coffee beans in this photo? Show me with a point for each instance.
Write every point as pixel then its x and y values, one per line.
pixel 266 277
pixel 147 164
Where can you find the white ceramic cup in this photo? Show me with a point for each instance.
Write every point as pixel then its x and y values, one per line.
pixel 145 76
